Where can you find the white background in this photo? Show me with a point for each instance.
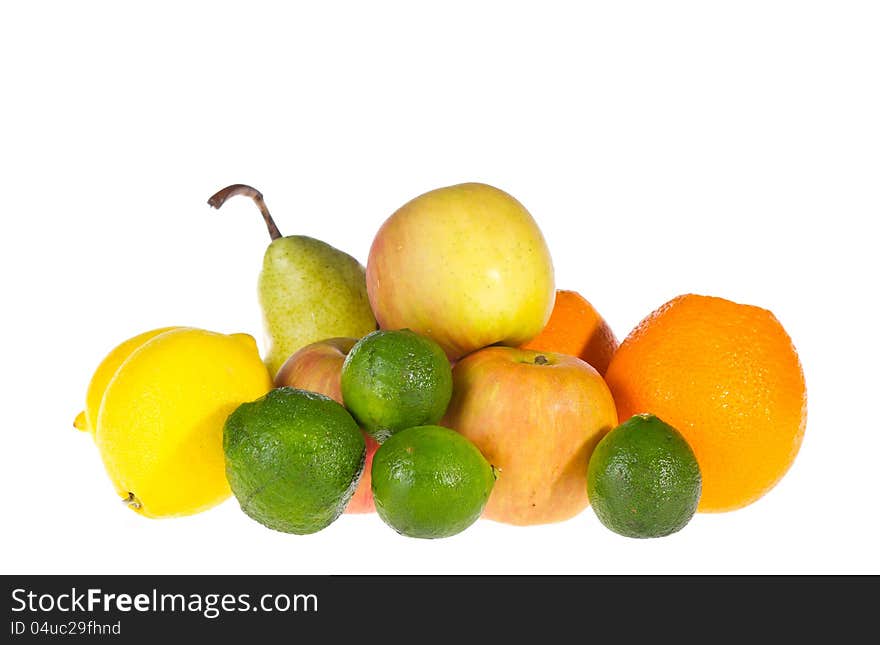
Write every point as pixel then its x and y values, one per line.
pixel 726 148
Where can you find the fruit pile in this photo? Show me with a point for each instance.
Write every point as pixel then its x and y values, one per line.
pixel 449 380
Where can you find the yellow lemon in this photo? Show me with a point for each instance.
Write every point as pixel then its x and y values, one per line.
pixel 160 423
pixel 87 419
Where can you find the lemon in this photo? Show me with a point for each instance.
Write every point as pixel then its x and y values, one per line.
pixel 159 426
pixel 87 419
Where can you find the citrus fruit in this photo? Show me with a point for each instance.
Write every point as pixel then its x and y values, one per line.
pixel 643 479
pixel 393 380
pixel 576 328
pixel 318 368
pixel 88 418
pixel 727 377
pixel 160 423
pixel 430 482
pixel 293 459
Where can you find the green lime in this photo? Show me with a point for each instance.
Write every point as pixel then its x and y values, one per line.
pixel 430 482
pixel 643 479
pixel 393 380
pixel 293 459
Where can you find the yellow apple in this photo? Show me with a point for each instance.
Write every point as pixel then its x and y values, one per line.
pixel 464 265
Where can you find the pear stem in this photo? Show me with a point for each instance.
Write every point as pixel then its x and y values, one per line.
pixel 219 198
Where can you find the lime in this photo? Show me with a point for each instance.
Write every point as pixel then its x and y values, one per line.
pixel 643 479
pixel 393 380
pixel 293 459
pixel 430 482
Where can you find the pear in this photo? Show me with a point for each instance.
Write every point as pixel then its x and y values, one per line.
pixel 308 290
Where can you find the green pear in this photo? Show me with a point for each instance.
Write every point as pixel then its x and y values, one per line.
pixel 308 290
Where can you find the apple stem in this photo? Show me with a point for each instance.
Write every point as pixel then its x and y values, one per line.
pixel 132 501
pixel 540 359
pixel 219 198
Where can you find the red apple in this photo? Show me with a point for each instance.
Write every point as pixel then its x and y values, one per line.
pixel 317 368
pixel 536 416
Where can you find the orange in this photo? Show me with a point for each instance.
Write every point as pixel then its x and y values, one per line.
pixel 576 328
pixel 728 378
